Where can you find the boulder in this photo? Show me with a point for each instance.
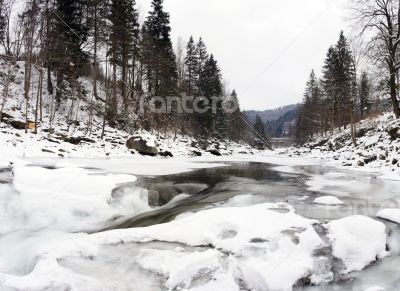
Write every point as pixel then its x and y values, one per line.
pixel 18 124
pixel 166 154
pixel 140 145
pixel 78 140
pixel 382 157
pixel 73 140
pixel 47 151
pixel 394 133
pixel 214 152
pixel 370 159
pixel 5 116
pixel 196 153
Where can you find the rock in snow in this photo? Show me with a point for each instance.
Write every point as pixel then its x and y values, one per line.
pixel 357 241
pixel 328 200
pixel 390 214
pixel 141 146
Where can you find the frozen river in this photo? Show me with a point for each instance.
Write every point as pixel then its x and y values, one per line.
pixel 98 226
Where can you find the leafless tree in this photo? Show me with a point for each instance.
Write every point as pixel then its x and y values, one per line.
pixel 6 89
pixel 6 13
pixel 30 24
pixel 379 21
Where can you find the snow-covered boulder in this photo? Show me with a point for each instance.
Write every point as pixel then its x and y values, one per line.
pixel 142 146
pixel 390 214
pixel 357 241
pixel 328 200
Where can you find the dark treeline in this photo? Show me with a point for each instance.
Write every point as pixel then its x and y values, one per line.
pixel 338 99
pixel 104 41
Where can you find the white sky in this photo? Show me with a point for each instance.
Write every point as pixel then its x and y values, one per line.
pixel 265 48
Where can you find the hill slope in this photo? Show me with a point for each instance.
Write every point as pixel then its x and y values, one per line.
pixel 377 149
pixel 74 128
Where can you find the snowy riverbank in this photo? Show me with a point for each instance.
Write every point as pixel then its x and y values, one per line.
pixel 377 149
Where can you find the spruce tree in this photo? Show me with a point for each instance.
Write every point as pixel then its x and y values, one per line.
pixel 329 83
pixel 211 88
pixel 312 119
pixel 345 80
pixel 123 39
pixel 158 55
pixel 72 33
pixel 235 123
pixel 191 62
pixel 203 57
pixel 364 95
pixel 261 136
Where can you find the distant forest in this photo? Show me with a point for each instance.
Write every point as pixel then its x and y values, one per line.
pixel 279 122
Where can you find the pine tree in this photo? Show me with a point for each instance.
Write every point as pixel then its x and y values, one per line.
pixel 211 85
pixel 124 34
pixel 211 88
pixel 330 84
pixel 345 81
pixel 236 124
pixel 72 33
pixel 203 57
pixel 311 118
pixel 191 62
pixel 262 140
pixel 158 55
pixel 364 95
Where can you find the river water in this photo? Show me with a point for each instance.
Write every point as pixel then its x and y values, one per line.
pixel 249 183
pixel 362 193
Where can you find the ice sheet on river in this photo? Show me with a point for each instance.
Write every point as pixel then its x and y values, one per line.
pixel 265 246
pixel 261 247
pixel 69 198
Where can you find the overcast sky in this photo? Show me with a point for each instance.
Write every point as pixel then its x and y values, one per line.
pixel 265 48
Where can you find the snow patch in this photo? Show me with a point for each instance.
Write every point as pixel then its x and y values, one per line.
pixel 357 241
pixel 328 200
pixel 391 214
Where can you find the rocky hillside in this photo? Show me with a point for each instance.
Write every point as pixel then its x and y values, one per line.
pixel 74 129
pixel 377 149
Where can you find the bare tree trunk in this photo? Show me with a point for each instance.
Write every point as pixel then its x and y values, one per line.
pixel 353 124
pixel 41 94
pixel 105 103
pixel 95 52
pixel 393 94
pixel 28 71
pixel 5 94
pixel 38 100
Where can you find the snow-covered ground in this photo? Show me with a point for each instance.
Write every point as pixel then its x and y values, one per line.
pixel 377 149
pixel 74 129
